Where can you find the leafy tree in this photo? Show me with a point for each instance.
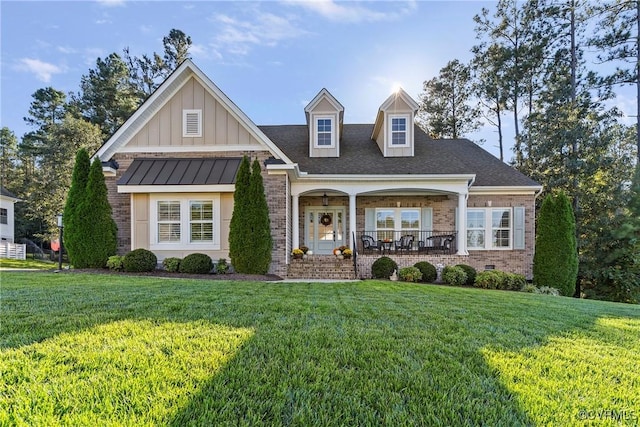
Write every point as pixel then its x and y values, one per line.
pixel 488 67
pixel 617 273
pixel 512 30
pixel 239 240
pixel 260 227
pixel 73 238
pixel 618 38
pixel 555 262
pixel 8 159
pixel 148 72
pixel 107 97
pixel 95 223
pixel 446 110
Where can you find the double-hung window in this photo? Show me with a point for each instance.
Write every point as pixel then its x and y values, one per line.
pixel 324 132
pixel 393 223
pixel 169 221
pixel 4 217
pixel 183 222
pixel 398 130
pixel 201 221
pixel 496 223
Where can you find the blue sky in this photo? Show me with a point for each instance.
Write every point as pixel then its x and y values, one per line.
pixel 271 58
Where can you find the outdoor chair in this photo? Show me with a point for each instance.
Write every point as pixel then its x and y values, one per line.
pixel 404 244
pixel 369 244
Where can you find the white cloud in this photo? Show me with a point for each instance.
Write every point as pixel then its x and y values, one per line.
pixel 239 36
pixel 42 70
pixel 111 3
pixel 354 12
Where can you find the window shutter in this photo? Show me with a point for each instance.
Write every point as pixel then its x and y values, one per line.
pixel 427 219
pixel 369 220
pixel 518 227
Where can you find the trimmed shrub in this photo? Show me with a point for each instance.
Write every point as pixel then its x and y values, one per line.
pixel 496 279
pixel 171 264
pixel 428 270
pixel 471 273
pixel 73 240
pixel 116 263
pixel 221 266
pixel 514 282
pixel 383 268
pixel 453 275
pixel 140 260
pixel 410 274
pixel 196 264
pixel 490 279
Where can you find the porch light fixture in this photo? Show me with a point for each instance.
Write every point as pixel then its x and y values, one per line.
pixel 325 200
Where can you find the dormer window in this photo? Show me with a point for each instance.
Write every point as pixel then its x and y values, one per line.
pixel 398 130
pixel 324 132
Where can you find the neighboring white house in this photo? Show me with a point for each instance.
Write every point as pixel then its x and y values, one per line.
pixel 8 249
pixel 7 223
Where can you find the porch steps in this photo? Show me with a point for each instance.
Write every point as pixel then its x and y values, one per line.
pixel 318 267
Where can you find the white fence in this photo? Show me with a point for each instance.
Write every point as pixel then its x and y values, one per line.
pixel 13 250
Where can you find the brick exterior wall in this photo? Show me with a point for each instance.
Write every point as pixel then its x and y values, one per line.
pixel 276 190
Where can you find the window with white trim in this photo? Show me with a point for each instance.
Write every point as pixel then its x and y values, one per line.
pixel 184 222
pixel 494 222
pixel 398 130
pixel 201 221
pixel 4 216
pixel 168 221
pixel 388 227
pixel 324 132
pixel 192 123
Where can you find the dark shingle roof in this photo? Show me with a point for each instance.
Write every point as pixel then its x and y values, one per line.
pixel 181 172
pixel 6 193
pixel 360 155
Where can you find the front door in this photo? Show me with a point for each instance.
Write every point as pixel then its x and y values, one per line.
pixel 324 229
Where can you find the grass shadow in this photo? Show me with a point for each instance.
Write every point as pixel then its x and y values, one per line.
pixel 350 354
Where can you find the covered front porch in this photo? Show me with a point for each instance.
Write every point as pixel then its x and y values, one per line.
pixel 382 218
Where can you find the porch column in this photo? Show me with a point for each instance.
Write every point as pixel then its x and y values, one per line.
pixel 352 220
pixel 295 221
pixel 462 224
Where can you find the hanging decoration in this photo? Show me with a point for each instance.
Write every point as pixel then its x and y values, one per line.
pixel 325 220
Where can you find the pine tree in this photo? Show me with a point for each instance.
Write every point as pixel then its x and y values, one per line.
pixel 72 236
pixel 260 225
pixel 555 263
pixel 238 240
pixel 96 225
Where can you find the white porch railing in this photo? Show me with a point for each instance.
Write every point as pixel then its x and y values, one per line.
pixel 13 250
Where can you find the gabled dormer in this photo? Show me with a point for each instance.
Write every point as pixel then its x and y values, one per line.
pixel 324 120
pixel 393 129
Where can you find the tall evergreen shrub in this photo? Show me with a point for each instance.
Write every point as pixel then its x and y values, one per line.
pixel 260 225
pixel 73 240
pixel 555 263
pixel 96 225
pixel 239 240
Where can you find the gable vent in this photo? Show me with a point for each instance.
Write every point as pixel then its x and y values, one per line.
pixel 192 123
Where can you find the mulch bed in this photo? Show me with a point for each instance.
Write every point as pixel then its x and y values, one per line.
pixel 166 274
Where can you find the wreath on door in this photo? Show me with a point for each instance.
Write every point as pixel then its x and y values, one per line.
pixel 325 220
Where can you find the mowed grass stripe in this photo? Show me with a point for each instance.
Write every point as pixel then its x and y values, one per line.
pixel 85 349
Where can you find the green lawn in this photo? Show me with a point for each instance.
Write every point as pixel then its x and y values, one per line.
pixel 32 264
pixel 79 349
